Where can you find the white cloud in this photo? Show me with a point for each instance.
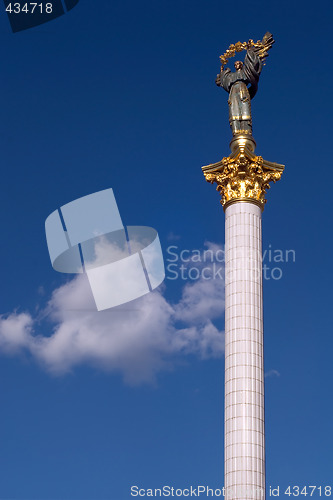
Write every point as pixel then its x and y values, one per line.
pixel 272 373
pixel 201 299
pixel 15 332
pixel 173 237
pixel 137 339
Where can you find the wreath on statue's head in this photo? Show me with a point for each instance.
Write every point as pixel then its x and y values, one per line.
pixel 261 47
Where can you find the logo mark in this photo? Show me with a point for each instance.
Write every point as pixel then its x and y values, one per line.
pixel 88 236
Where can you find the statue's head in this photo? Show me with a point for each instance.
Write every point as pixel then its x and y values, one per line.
pixel 238 65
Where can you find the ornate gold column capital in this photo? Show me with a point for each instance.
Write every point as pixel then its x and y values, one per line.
pixel 243 176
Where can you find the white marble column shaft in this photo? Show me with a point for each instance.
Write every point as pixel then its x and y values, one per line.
pixel 244 361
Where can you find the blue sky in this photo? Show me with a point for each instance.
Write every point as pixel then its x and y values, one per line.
pixel 121 94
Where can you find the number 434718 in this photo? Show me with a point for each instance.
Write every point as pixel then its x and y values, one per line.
pixel 29 8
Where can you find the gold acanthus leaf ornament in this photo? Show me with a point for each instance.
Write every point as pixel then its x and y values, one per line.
pixel 243 176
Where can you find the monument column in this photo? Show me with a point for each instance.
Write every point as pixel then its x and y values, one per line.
pixel 244 370
pixel 242 179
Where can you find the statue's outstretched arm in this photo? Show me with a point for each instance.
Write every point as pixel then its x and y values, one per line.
pixel 223 79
